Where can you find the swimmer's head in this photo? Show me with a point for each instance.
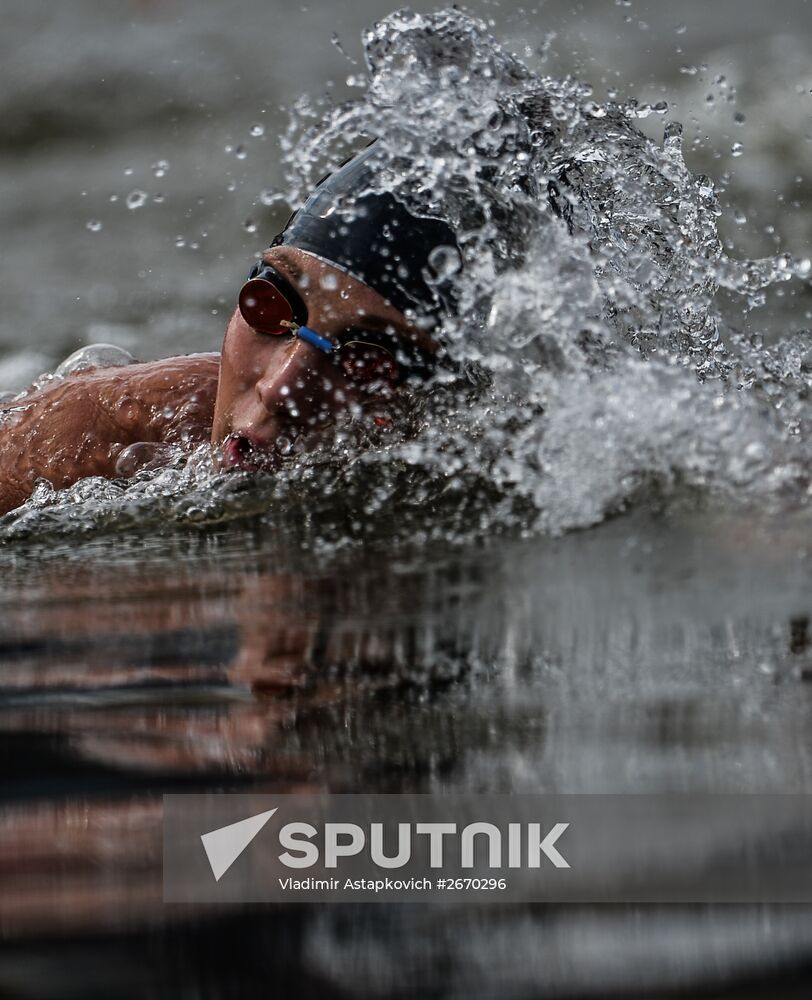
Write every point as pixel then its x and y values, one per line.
pixel 392 247
pixel 333 322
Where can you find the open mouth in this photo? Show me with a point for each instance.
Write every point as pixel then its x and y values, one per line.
pixel 242 453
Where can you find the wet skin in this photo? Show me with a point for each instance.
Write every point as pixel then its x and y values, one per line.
pixel 263 397
pixel 96 422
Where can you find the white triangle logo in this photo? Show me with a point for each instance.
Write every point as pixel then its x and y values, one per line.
pixel 225 845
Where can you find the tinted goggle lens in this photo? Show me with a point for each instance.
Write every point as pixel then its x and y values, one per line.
pixel 264 307
pixel 368 364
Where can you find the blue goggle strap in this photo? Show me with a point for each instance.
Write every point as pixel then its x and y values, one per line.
pixel 315 339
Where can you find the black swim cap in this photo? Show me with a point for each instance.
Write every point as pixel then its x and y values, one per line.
pixel 375 238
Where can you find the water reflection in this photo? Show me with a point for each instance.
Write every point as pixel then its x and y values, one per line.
pixel 649 655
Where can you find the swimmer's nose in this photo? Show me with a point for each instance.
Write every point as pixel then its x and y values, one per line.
pixel 301 389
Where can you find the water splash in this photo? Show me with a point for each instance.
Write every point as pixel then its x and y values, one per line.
pixel 590 291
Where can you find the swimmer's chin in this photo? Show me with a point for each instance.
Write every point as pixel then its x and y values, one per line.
pixel 245 453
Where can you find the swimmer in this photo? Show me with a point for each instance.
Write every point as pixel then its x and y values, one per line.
pixel 333 321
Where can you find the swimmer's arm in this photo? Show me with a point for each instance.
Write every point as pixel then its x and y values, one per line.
pixel 78 426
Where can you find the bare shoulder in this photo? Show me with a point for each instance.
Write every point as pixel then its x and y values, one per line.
pixel 169 400
pixel 79 425
pixel 135 399
pixel 188 371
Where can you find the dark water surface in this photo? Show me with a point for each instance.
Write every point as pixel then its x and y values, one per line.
pixel 651 654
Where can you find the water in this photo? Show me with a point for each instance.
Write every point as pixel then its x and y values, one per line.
pixel 318 630
pixel 656 653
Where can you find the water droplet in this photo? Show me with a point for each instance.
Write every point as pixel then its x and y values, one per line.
pixel 681 29
pixel 94 356
pixel 337 42
pixel 158 198
pixel 128 171
pixel 444 261
pixel 160 167
pixel 672 135
pixel 136 198
pixel 269 197
pixel 688 70
pixel 93 225
pixel 168 412
pixel 180 241
pixel 329 282
pixel 739 217
pixel 249 226
pixel 739 118
pixel 113 197
pixel 737 149
pixel 240 152
pixel 257 130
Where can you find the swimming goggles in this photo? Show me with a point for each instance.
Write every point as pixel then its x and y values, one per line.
pixel 271 305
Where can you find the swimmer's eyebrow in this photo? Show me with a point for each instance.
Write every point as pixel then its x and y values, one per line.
pixel 371 324
pixel 374 324
pixel 287 267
